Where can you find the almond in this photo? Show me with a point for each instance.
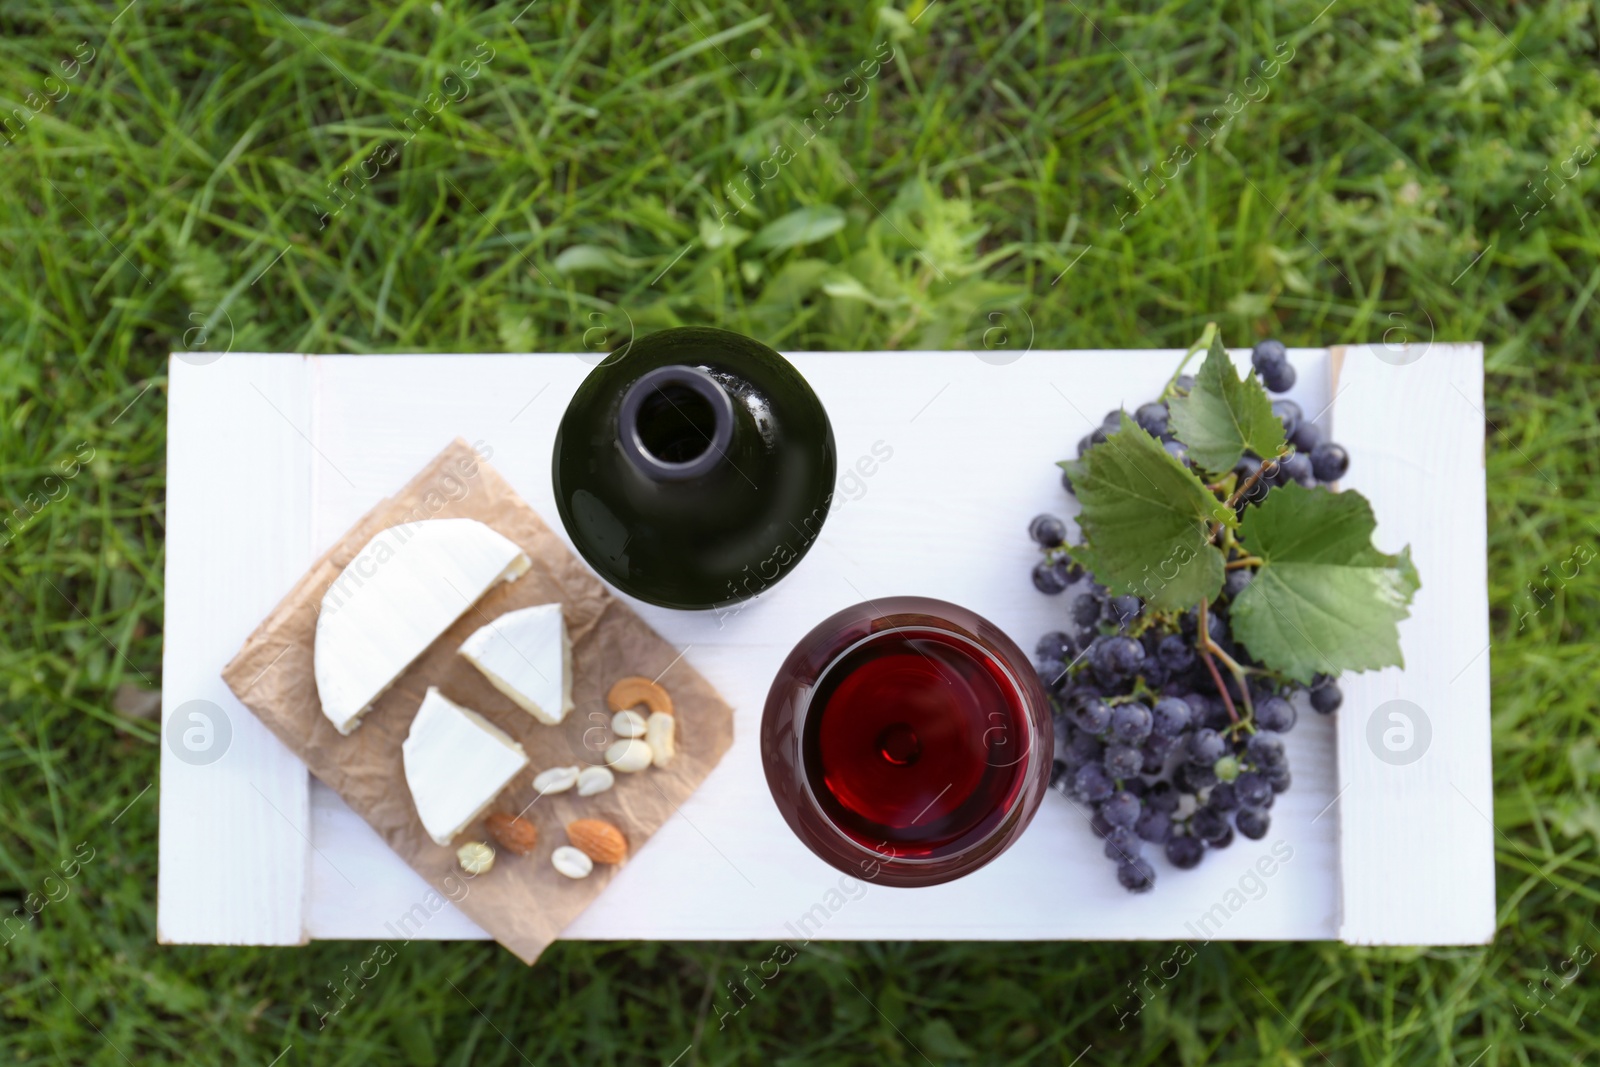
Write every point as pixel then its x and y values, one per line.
pixel 514 834
pixel 598 840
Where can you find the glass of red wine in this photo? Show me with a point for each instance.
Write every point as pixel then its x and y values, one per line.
pixel 907 741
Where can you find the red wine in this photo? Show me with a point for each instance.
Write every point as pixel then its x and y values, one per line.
pixel 907 741
pixel 914 740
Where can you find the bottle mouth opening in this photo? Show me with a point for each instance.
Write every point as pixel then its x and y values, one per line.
pixel 676 422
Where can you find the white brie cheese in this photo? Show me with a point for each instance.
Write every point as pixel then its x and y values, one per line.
pixel 527 655
pixel 403 589
pixel 456 763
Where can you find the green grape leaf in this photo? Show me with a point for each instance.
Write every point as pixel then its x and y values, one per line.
pixel 1324 600
pixel 1146 521
pixel 1223 415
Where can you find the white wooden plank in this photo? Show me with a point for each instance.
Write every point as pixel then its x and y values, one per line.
pixel 371 888
pixel 943 515
pixel 234 832
pixel 1415 809
pixel 972 451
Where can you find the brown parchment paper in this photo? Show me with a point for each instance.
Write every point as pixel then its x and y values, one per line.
pixel 523 903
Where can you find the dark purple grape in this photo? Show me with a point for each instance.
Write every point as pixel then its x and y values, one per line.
pixel 1092 783
pixel 1122 844
pixel 1252 788
pixel 1085 611
pixel 1225 840
pixel 1206 746
pixel 1265 749
pixel 1056 645
pixel 1047 530
pixel 1121 808
pixel 1120 611
pixel 1178 451
pixel 1091 715
pixel 1207 824
pixel 1252 823
pixel 1153 826
pixel 1222 797
pixel 1326 698
pixel 1185 853
pixel 1175 653
pixel 1153 673
pixel 1083 748
pixel 1217 627
pixel 1329 462
pixel 1098 824
pixel 1279 779
pixel 1130 723
pixel 1050 578
pixel 1279 379
pixel 1307 437
pixel 1087 442
pixel 1052 673
pixel 1170 717
pixel 1268 354
pixel 1137 876
pixel 1276 714
pixel 1152 417
pixel 1117 655
pixel 1297 468
pixel 1289 414
pixel 1066 482
pixel 1185 383
pixel 1123 761
pixel 1217 717
pixel 1237 581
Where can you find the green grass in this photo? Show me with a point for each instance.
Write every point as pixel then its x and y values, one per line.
pixel 992 152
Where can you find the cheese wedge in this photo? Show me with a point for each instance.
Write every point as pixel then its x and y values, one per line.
pixel 527 655
pixel 402 590
pixel 456 763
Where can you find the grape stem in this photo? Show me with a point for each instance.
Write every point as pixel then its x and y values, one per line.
pixel 1245 561
pixel 1255 476
pixel 1227 700
pixel 1207 648
pixel 1203 344
pixel 1244 488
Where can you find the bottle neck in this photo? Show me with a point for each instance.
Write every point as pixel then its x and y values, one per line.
pixel 675 423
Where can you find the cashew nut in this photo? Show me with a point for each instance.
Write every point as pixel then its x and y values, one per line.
pixel 631 692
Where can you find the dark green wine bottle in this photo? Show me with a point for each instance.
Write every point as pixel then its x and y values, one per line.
pixel 694 468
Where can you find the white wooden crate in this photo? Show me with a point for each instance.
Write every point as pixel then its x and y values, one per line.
pixel 272 457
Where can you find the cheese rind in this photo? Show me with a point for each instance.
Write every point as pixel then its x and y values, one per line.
pixel 401 592
pixel 527 655
pixel 456 763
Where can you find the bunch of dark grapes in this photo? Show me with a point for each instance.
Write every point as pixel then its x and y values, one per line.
pixel 1154 729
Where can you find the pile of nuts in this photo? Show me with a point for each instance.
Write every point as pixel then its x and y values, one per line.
pixel 642 741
